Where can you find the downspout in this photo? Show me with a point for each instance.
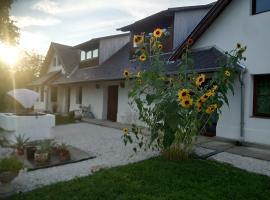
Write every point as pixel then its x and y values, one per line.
pixel 242 107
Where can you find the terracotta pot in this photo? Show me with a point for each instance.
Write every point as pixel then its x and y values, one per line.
pixel 7 177
pixel 41 157
pixel 64 155
pixel 20 152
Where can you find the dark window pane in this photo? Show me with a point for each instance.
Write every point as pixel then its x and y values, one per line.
pixel 262 5
pixel 54 94
pixel 262 95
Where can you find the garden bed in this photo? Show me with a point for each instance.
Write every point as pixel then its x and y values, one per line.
pixel 76 155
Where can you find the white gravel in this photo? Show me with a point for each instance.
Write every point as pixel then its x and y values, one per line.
pixel 246 163
pixel 104 142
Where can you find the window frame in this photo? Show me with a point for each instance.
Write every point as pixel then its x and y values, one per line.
pixel 91 53
pixel 253 8
pixel 257 78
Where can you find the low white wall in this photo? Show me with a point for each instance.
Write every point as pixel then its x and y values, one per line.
pixel 35 127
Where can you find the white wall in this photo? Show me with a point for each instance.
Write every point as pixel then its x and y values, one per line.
pixel 236 24
pixel 53 68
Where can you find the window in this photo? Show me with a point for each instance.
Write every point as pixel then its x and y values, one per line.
pixel 54 94
pixel 261 99
pixel 259 6
pixel 89 55
pixel 54 61
pixel 82 55
pixel 95 53
pixel 79 95
pixel 42 93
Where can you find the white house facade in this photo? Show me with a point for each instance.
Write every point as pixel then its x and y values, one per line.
pixel 246 22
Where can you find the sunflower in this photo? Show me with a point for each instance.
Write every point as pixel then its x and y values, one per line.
pixel 200 79
pixel 157 33
pixel 183 94
pixel 190 42
pixel 210 93
pixel 160 46
pixel 214 88
pixel 138 39
pixel 204 98
pixel 126 73
pixel 227 73
pixel 199 105
pixel 142 57
pixel 186 103
pixel 125 131
pixel 238 45
pixel 210 109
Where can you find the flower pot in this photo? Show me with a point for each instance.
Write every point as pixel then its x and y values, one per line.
pixel 20 152
pixel 41 157
pixel 64 155
pixel 7 177
pixel 30 152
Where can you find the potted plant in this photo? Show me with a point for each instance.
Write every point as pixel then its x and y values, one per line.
pixel 9 169
pixel 63 152
pixel 20 142
pixel 43 151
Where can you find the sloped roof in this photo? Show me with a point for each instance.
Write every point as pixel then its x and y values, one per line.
pixel 206 22
pixel 46 78
pixel 162 15
pixel 204 60
pixel 69 56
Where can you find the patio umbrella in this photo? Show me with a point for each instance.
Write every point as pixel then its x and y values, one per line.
pixel 25 97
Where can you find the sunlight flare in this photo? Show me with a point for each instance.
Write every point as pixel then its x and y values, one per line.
pixel 8 54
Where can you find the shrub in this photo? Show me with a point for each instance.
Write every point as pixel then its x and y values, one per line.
pixel 10 164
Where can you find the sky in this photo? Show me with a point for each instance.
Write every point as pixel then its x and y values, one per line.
pixel 72 22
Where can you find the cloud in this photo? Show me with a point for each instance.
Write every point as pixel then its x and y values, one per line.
pixel 34 21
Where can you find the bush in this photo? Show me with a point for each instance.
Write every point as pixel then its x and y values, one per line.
pixel 10 164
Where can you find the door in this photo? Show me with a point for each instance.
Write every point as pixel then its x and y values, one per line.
pixel 67 99
pixel 112 103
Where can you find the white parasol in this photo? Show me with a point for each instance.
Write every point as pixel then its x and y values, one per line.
pixel 25 97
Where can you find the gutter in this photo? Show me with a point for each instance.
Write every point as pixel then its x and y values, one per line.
pixel 242 108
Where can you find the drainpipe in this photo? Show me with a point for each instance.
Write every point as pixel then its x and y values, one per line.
pixel 242 108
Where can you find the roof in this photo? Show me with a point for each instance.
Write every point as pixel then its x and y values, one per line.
pixel 96 40
pixel 69 56
pixel 46 78
pixel 209 18
pixel 204 60
pixel 164 15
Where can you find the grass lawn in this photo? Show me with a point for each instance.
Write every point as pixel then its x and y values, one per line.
pixel 60 119
pixel 158 179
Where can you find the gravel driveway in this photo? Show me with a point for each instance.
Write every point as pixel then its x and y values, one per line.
pixel 104 142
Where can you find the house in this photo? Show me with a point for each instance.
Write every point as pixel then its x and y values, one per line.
pixel 94 76
pixel 246 22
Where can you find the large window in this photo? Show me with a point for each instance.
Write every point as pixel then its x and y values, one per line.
pixel 54 94
pixel 88 55
pixel 261 106
pixel 79 95
pixel 259 6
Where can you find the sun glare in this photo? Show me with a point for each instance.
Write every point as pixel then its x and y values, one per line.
pixel 8 54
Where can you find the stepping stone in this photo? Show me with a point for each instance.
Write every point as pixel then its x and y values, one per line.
pixel 216 145
pixel 262 154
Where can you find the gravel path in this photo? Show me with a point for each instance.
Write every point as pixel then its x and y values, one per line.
pixel 104 142
pixel 246 163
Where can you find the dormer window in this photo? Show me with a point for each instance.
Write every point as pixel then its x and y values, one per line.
pixel 88 55
pixel 82 55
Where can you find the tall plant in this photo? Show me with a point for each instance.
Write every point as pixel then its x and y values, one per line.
pixel 175 108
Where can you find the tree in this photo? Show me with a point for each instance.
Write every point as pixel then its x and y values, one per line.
pixel 8 31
